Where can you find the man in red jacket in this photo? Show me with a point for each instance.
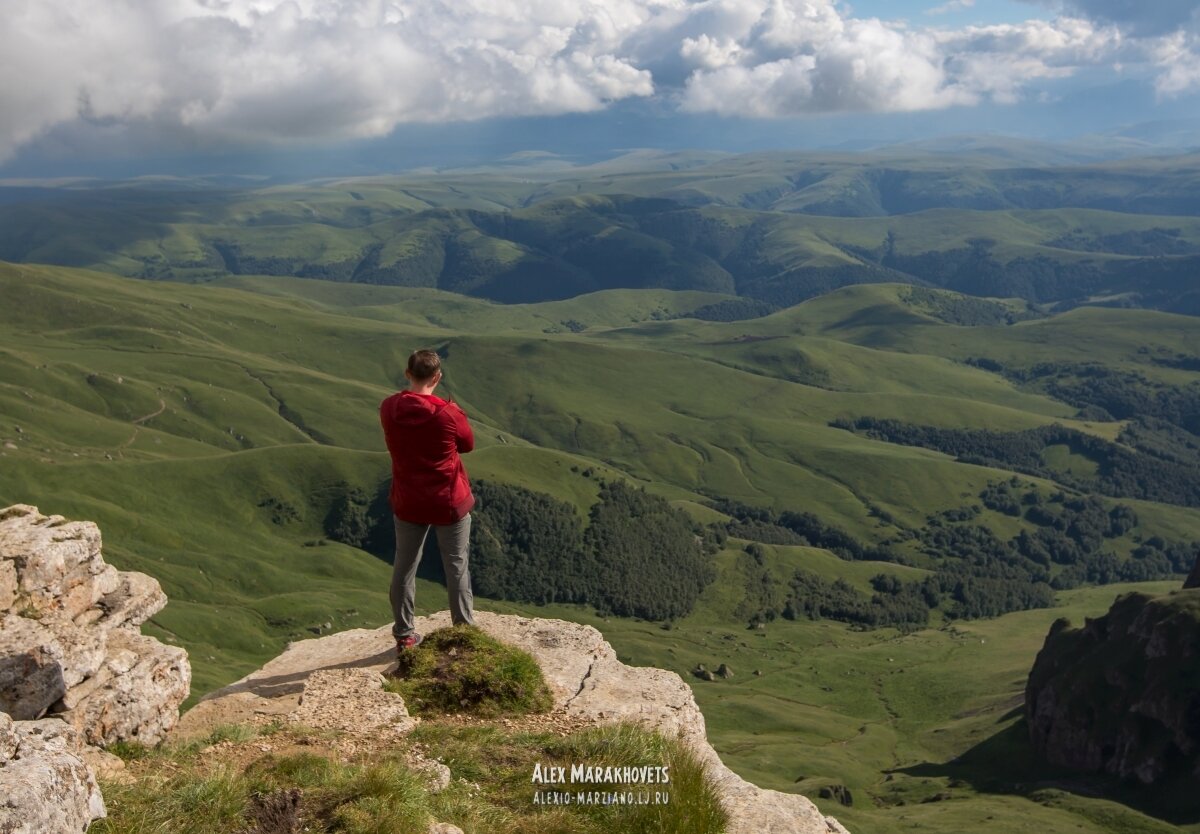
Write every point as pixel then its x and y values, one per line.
pixel 425 435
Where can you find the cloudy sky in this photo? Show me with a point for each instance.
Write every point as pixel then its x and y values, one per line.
pixel 84 81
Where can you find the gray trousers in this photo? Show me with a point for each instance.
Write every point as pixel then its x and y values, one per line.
pixel 453 542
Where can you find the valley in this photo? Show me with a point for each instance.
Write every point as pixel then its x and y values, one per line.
pixel 905 456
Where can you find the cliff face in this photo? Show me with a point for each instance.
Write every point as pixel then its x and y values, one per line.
pixel 70 644
pixel 74 670
pixel 590 686
pixel 1122 694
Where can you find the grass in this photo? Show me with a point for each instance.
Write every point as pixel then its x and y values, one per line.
pixel 268 390
pixel 299 791
pixel 897 719
pixel 504 761
pixel 290 779
pixel 462 669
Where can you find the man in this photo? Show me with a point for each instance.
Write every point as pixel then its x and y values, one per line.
pixel 425 436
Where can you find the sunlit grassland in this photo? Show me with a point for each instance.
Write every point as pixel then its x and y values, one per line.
pixel 207 429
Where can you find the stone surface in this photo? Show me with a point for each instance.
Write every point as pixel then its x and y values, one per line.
pixel 437 775
pixel 105 765
pixel 69 641
pixel 1118 695
pixel 8 585
pixel 45 786
pixel 135 695
pixel 137 598
pixel 444 828
pixel 351 700
pixel 40 660
pixel 58 564
pixel 583 673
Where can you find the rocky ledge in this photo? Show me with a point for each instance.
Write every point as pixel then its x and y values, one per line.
pixel 69 639
pixel 74 669
pixel 314 681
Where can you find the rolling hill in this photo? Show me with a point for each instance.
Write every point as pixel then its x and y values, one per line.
pixel 210 429
pixel 774 228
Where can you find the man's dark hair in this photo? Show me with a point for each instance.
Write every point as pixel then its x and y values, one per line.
pixel 423 364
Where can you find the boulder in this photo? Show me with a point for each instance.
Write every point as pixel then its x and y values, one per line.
pixel 45 785
pixel 135 695
pixel 69 639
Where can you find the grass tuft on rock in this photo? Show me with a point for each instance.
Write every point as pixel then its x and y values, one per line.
pixel 460 669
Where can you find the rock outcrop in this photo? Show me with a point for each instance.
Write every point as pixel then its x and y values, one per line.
pixel 590 686
pixel 45 784
pixel 1193 580
pixel 1119 694
pixel 69 634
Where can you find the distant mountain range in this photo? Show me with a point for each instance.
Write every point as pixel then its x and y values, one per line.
pixel 975 214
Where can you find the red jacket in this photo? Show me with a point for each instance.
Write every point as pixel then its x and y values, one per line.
pixel 425 435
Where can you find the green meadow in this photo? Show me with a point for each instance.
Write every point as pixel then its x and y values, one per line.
pixel 208 429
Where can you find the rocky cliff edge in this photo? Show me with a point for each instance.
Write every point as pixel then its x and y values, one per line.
pixel 590 686
pixel 76 674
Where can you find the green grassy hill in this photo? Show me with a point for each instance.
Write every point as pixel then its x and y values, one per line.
pixel 210 429
pixel 777 228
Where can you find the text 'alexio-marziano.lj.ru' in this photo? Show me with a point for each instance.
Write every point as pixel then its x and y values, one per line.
pixel 599 782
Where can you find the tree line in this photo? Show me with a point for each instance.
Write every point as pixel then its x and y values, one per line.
pixel 637 556
pixel 1121 472
pixel 975 575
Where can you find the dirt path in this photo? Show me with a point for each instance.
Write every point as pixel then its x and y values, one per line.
pixel 137 424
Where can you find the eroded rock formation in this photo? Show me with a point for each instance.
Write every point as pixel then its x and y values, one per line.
pixel 1118 695
pixel 590 686
pixel 69 639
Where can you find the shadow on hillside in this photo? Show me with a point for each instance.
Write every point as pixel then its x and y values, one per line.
pixel 80 227
pixel 1006 763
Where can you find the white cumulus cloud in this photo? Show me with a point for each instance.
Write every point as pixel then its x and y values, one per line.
pixel 252 72
pixel 278 70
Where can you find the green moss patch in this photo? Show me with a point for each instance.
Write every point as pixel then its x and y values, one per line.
pixel 462 669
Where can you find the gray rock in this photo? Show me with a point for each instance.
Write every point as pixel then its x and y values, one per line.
pixel 1118 694
pixel 136 695
pixel 137 598
pixel 352 701
pixel 8 585
pixel 69 643
pixel 41 660
pixel 58 564
pixel 437 775
pixel 45 784
pixel 837 791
